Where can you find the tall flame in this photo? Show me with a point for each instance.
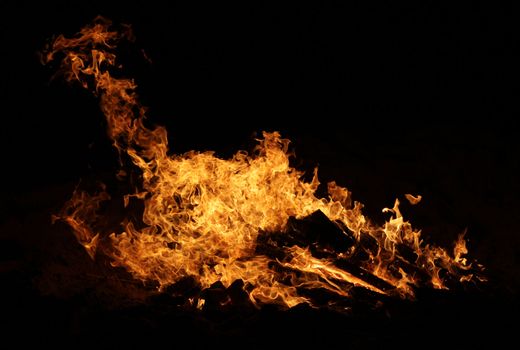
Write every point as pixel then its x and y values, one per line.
pixel 204 216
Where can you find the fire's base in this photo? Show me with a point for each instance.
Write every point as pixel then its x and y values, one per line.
pixel 53 291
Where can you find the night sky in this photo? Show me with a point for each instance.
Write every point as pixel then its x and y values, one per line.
pixel 387 99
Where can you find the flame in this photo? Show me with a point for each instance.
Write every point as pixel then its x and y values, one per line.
pixel 413 199
pixel 204 217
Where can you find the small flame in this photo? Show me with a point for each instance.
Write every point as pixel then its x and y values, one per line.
pixel 203 216
pixel 413 199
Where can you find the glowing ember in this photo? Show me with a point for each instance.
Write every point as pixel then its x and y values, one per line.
pixel 204 217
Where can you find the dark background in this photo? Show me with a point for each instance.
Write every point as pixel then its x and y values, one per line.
pixel 387 99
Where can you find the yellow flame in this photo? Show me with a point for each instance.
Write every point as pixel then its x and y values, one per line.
pixel 203 215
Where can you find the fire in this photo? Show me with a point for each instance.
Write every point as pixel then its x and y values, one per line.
pixel 205 218
pixel 413 199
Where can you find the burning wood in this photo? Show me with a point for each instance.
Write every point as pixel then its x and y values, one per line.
pixel 249 224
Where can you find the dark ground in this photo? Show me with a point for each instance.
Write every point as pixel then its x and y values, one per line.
pixel 386 99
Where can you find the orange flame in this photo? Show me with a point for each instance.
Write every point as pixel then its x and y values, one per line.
pixel 203 216
pixel 413 199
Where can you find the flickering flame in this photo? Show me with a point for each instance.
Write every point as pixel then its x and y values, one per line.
pixel 413 199
pixel 203 215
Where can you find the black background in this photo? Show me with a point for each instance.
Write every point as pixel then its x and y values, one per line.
pixel 386 99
